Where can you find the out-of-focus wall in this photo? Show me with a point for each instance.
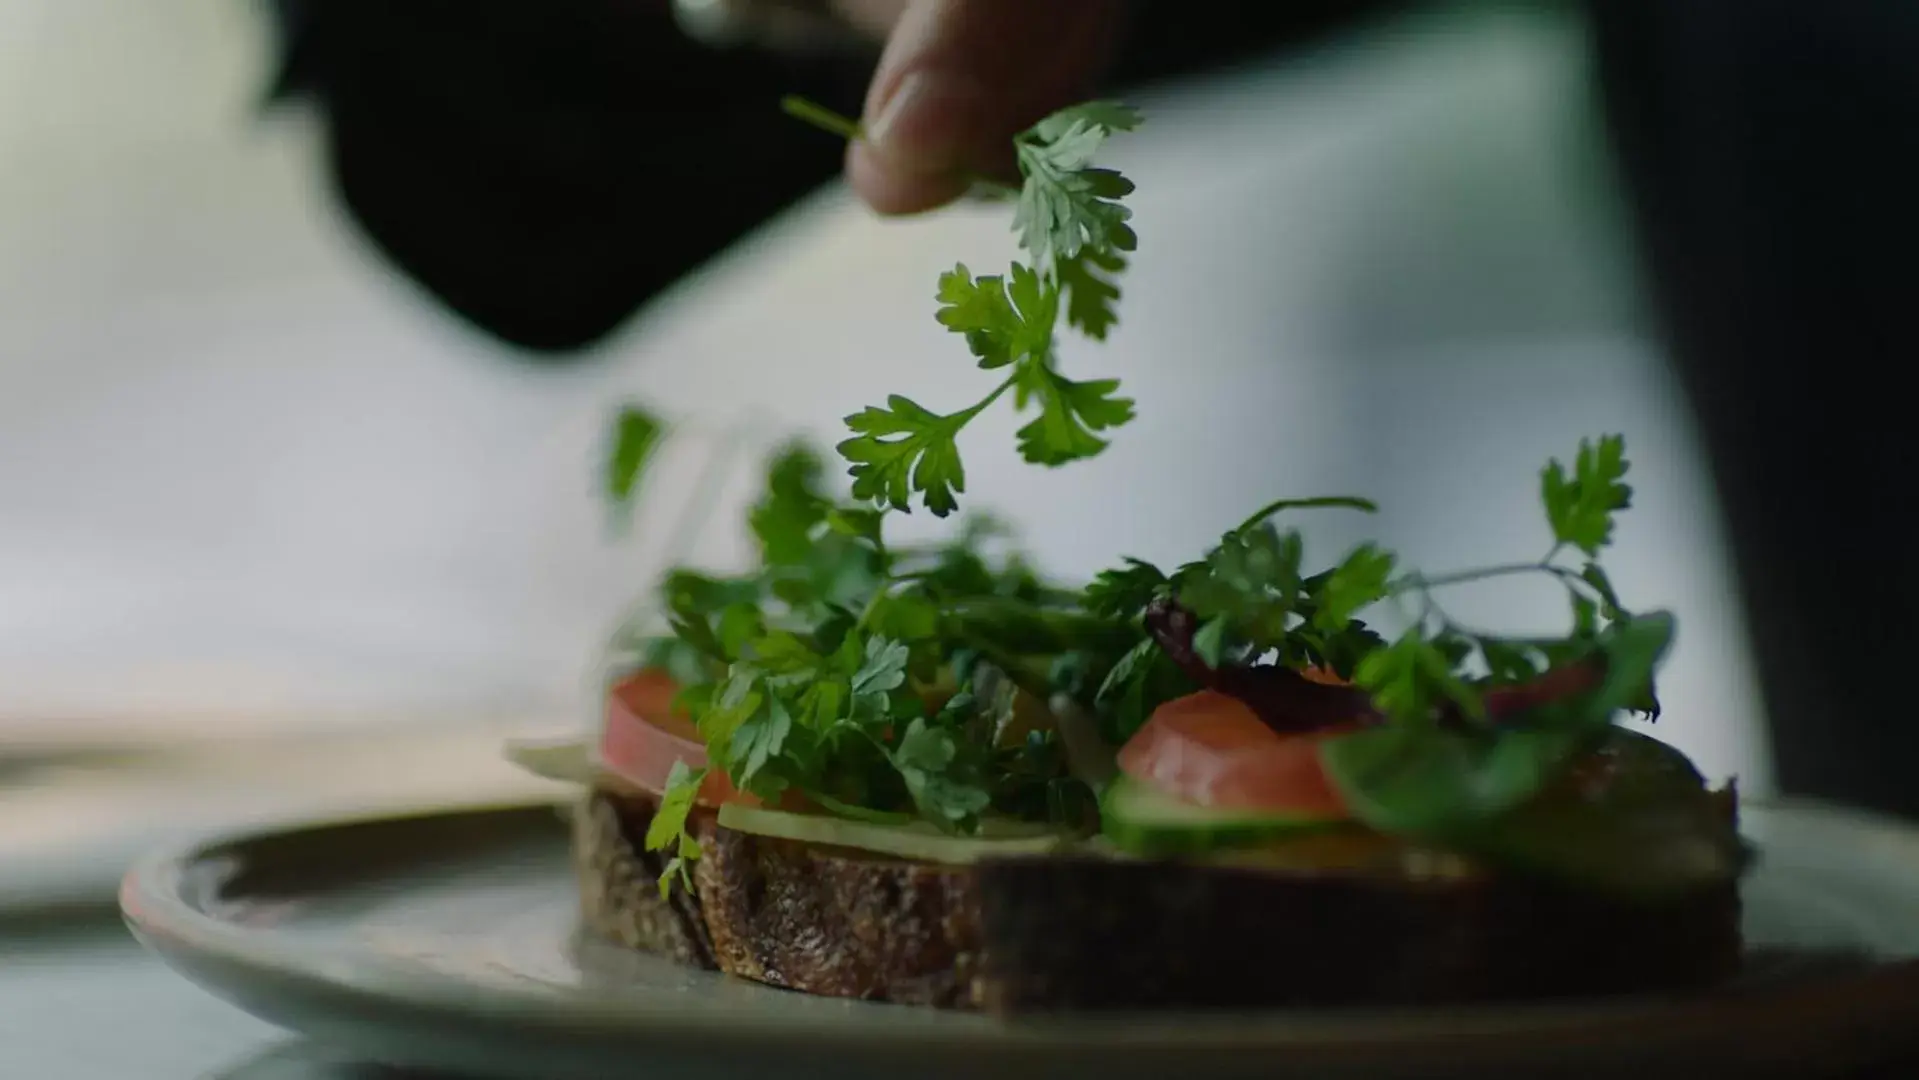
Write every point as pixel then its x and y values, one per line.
pixel 244 470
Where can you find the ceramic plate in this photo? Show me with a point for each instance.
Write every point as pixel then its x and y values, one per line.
pixel 449 940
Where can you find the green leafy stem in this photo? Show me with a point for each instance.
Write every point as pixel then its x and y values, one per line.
pixel 1077 235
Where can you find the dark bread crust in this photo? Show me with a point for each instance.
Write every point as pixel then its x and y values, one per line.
pixel 620 883
pixel 1089 932
pixel 839 922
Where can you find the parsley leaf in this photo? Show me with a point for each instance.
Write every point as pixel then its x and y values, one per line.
pixel 1410 678
pixel 1251 581
pixel 759 739
pixel 667 831
pixel 1142 680
pixel 1123 593
pixel 1344 650
pixel 1592 575
pixel 740 698
pixel 1360 580
pixel 858 523
pixel 1065 205
pixel 636 434
pixel 1091 120
pixel 784 518
pixel 923 456
pixel 883 671
pixel 1580 508
pixel 1092 293
pixel 1001 324
pixel 1070 412
pixel 1072 223
pixel 926 757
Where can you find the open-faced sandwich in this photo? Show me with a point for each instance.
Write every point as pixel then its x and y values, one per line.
pixel 928 774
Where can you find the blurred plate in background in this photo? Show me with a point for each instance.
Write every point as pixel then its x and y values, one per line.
pixel 74 817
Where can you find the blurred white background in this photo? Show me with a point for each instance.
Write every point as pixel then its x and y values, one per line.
pixel 247 474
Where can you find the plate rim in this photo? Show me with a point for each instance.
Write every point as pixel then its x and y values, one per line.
pixel 210 951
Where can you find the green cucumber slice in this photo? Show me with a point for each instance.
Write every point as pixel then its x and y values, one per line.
pixel 1143 820
pixel 919 841
pixel 567 759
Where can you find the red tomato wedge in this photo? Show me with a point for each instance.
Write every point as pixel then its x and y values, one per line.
pixel 644 736
pixel 1211 750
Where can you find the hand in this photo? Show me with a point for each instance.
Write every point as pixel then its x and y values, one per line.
pixel 957 79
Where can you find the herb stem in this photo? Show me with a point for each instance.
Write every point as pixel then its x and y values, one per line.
pixel 833 123
pixel 1349 502
pixel 706 492
pixel 984 403
pixel 1462 577
pixel 821 117
pixel 872 606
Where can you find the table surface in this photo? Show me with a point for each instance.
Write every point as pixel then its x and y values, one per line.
pixel 79 998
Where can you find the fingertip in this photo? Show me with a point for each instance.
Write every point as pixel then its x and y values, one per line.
pixel 893 191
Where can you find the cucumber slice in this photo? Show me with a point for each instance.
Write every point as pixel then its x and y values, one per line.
pixel 567 758
pixel 1143 820
pixel 919 841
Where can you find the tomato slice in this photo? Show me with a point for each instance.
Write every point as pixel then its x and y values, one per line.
pixel 1212 750
pixel 645 736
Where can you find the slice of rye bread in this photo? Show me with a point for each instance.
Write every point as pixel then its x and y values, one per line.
pixel 1325 927
pixel 620 883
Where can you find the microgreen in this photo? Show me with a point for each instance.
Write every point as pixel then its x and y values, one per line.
pixel 636 434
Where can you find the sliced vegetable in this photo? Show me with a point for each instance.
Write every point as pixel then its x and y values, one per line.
pixel 1212 750
pixel 918 841
pixel 1143 820
pixel 1284 699
pixel 644 737
pixel 563 758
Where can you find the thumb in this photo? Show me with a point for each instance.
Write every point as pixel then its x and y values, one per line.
pixel 958 79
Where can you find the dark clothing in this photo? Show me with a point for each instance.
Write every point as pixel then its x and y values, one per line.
pixel 544 169
pixel 1771 148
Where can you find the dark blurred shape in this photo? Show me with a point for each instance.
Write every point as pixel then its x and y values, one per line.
pixel 544 169
pixel 1771 148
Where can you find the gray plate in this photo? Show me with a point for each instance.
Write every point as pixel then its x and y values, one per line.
pixel 449 940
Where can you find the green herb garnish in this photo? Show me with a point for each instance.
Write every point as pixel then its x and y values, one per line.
pixel 1075 231
pixel 931 684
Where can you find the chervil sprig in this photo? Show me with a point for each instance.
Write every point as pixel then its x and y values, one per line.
pixel 1077 234
pixel 1579 509
pixel 1066 205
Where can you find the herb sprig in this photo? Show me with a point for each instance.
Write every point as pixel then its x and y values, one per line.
pixel 1077 234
